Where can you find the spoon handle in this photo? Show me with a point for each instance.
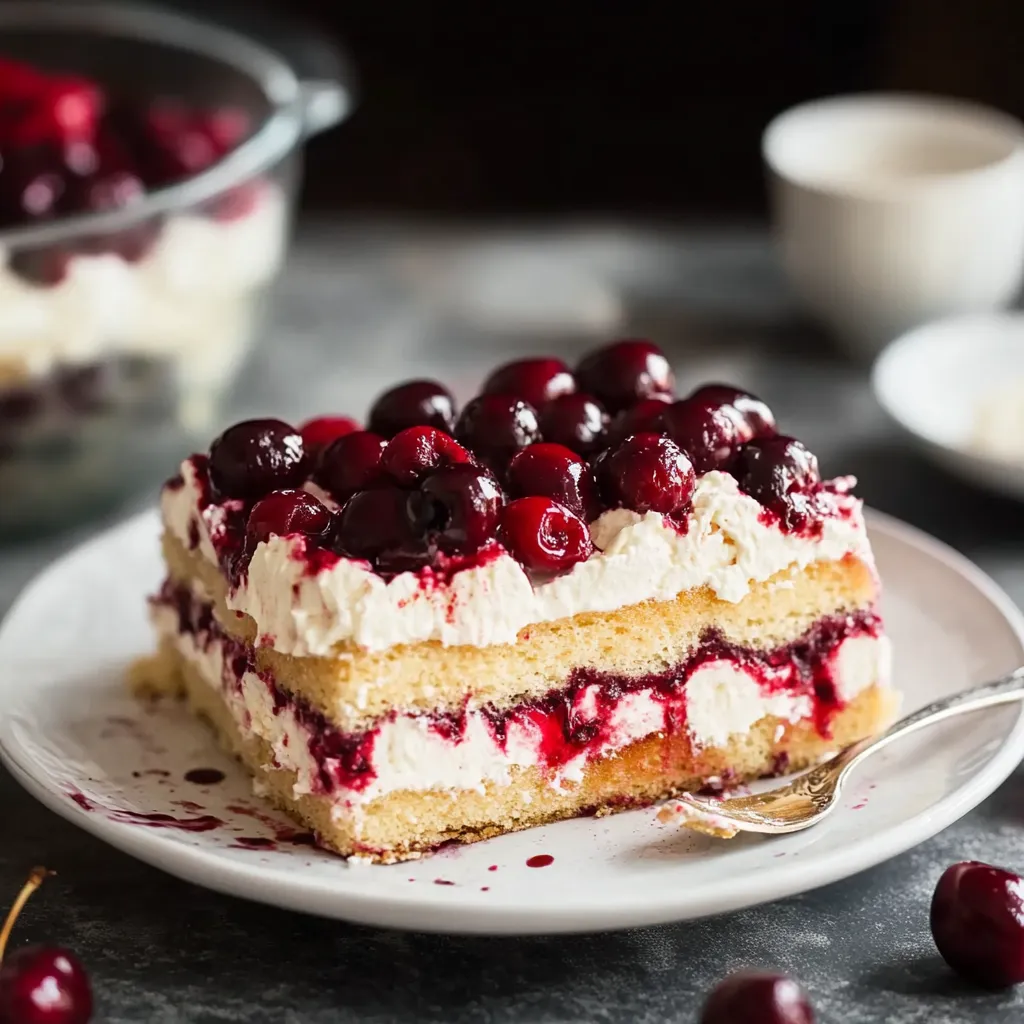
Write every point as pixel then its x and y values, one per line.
pixel 1003 691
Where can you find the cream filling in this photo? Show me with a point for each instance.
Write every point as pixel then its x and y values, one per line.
pixel 727 545
pixel 722 701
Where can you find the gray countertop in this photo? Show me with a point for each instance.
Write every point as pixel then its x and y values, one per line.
pixel 361 306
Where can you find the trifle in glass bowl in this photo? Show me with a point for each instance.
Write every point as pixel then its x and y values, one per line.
pixel 147 171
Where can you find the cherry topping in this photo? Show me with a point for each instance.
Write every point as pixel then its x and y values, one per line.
pixel 417 403
pixel 543 536
pixel 181 142
pixel 536 381
pixel 755 413
pixel 757 997
pixel 977 921
pixel 577 421
pixel 708 433
pixel 286 512
pixel 457 508
pixel 641 418
pixel 351 463
pixel 647 473
pixel 553 471
pixel 373 522
pixel 495 427
pixel 623 372
pixel 41 984
pixel 413 453
pixel 257 456
pixel 319 432
pixel 778 472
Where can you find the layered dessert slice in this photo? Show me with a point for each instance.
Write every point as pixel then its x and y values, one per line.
pixel 579 595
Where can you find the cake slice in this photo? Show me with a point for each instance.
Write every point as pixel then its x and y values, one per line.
pixel 578 596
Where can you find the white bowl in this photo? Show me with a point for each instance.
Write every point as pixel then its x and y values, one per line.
pixel 933 380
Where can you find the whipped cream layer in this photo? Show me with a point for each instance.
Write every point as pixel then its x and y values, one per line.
pixel 722 697
pixel 188 297
pixel 728 542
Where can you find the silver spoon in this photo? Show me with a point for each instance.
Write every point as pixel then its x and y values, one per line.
pixel 811 797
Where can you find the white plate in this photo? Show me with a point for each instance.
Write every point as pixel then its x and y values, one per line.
pixel 69 729
pixel 932 379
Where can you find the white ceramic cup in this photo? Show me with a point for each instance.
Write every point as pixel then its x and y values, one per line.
pixel 892 210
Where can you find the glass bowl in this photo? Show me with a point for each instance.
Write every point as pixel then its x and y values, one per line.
pixel 121 330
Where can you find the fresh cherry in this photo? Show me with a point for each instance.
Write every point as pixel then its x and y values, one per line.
pixel 416 451
pixel 710 434
pixel 754 412
pixel 536 381
pixel 373 522
pixel 417 403
pixel 778 472
pixel 647 473
pixel 640 418
pixel 257 456
pixel 577 421
pixel 457 508
pixel 41 984
pixel 181 142
pixel 624 372
pixel 495 427
pixel 543 536
pixel 351 463
pixel 282 513
pixel 319 432
pixel 977 921
pixel 757 997
pixel 553 471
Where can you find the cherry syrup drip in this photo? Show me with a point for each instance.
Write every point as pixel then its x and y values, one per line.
pixel 540 860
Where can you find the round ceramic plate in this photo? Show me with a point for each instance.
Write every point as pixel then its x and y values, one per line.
pixel 74 738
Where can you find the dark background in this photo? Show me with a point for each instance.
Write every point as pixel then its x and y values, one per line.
pixel 646 108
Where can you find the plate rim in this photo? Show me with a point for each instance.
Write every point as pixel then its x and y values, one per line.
pixel 443 911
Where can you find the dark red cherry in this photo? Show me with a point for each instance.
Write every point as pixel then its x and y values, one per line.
pixel 373 522
pixel 778 472
pixel 710 434
pixel 351 463
pixel 417 403
pixel 640 418
pixel 282 513
pixel 180 141
pixel 319 432
pixel 977 921
pixel 553 471
pixel 755 413
pixel 647 473
pixel 536 381
pixel 756 997
pixel 457 508
pixel 495 427
pixel 416 451
pixel 577 421
pixel 257 456
pixel 543 536
pixel 624 372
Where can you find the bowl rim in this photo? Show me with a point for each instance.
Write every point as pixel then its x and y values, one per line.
pixel 274 138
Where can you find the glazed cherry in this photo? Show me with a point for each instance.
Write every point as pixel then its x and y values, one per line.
pixel 755 413
pixel 373 522
pixel 417 403
pixel 977 921
pixel 624 372
pixel 647 473
pixel 536 381
pixel 577 421
pixel 495 427
pixel 41 984
pixel 351 463
pixel 710 434
pixel 416 451
pixel 640 418
pixel 778 472
pixel 553 471
pixel 543 536
pixel 180 142
pixel 319 432
pixel 257 456
pixel 756 997
pixel 282 513
pixel 457 509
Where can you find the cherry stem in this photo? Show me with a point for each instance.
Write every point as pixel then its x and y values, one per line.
pixel 36 878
